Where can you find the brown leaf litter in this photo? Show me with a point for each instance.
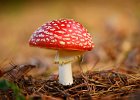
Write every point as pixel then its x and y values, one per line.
pixel 108 84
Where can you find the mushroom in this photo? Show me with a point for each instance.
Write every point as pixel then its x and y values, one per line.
pixel 69 38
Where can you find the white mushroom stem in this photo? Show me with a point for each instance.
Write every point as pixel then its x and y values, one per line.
pixel 64 59
pixel 65 74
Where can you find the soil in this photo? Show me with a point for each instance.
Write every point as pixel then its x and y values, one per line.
pixel 109 84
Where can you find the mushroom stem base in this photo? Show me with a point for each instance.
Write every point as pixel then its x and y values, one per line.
pixel 65 74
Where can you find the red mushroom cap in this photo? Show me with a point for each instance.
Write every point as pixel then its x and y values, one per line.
pixel 62 34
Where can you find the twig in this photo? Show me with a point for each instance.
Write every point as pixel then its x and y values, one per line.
pixel 79 92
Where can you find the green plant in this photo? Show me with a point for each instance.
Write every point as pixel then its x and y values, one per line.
pixel 6 85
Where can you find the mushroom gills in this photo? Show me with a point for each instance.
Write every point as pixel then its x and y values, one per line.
pixel 66 56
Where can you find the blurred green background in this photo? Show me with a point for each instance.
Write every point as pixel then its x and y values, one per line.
pixel 20 18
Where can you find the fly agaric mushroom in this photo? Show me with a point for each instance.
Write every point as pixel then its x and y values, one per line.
pixel 69 38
